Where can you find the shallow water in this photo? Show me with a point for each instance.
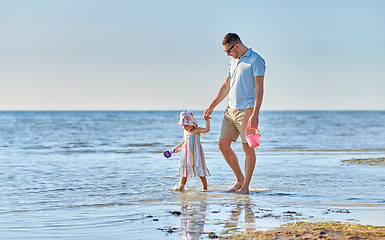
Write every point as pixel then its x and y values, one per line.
pixel 102 175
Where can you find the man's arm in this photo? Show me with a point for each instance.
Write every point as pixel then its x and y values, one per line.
pixel 222 93
pixel 254 118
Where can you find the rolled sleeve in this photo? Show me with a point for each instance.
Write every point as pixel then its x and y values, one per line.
pixel 258 67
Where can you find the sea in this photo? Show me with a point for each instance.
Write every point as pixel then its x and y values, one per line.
pixel 102 175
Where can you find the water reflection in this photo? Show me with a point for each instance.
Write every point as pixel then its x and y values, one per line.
pixel 192 220
pixel 241 214
pixel 238 215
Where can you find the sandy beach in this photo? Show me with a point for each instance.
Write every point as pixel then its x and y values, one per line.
pixel 366 161
pixel 319 230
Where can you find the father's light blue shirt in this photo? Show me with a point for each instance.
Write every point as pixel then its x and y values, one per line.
pixel 242 84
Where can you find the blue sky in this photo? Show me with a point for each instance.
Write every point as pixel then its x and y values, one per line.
pixel 160 55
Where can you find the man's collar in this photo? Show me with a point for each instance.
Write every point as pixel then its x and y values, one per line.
pixel 247 53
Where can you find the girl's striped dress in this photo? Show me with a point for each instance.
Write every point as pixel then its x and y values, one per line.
pixel 192 160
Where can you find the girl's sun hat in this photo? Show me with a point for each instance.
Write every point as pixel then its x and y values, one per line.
pixel 187 118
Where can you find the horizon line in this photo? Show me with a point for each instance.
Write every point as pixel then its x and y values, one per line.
pixel 175 110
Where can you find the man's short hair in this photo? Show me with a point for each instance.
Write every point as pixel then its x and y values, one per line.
pixel 231 38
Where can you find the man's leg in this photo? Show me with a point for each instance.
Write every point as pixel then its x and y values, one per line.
pixel 231 159
pixel 249 167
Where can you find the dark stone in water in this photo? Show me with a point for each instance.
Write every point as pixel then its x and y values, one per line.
pixel 337 211
pixel 177 213
pixel 212 235
pixel 290 213
pixel 168 229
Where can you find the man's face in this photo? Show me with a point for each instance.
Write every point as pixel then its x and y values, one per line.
pixel 231 50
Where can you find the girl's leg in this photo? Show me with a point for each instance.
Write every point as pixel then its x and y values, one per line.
pixel 182 182
pixel 204 183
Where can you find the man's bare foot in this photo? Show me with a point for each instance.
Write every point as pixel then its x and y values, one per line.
pixel 243 191
pixel 235 187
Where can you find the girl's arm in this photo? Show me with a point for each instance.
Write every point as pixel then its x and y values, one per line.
pixel 178 147
pixel 206 129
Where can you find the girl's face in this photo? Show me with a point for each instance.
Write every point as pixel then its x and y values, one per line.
pixel 188 127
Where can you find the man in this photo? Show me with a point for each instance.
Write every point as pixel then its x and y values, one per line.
pixel 244 85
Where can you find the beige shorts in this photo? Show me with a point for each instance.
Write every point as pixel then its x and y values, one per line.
pixel 235 123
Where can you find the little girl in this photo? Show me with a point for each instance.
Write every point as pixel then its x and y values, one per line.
pixel 192 161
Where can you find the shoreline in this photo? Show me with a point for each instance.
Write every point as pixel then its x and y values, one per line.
pixel 313 230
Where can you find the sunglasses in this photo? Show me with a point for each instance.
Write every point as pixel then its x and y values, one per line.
pixel 228 51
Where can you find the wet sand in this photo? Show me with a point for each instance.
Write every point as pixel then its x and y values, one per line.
pixel 318 230
pixel 365 161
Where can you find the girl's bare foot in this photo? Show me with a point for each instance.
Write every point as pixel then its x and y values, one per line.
pixel 235 187
pixel 178 188
pixel 243 191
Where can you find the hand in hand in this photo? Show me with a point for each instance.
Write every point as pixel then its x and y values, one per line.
pixel 207 113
